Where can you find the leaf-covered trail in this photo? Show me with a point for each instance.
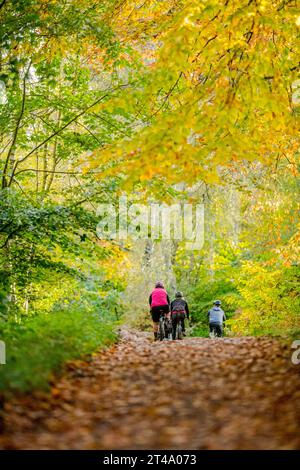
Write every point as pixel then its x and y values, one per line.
pixel 233 393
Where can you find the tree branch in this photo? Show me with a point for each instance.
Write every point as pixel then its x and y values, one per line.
pixel 35 170
pixel 205 45
pixel 167 96
pixel 62 128
pixel 2 4
pixel 90 132
pixel 14 139
pixel 9 237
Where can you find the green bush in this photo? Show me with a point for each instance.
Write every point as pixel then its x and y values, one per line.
pixel 270 301
pixel 39 346
pixel 201 297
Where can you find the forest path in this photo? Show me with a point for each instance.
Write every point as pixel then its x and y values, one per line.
pixel 231 393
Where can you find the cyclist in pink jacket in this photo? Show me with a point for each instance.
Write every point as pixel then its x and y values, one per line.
pixel 159 301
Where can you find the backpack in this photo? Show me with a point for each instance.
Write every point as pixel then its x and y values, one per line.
pixel 178 305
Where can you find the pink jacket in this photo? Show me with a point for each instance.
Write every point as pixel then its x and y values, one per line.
pixel 159 297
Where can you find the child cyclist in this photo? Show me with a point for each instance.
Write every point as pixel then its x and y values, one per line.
pixel 216 318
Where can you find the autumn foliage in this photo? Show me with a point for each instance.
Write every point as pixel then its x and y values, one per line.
pixel 167 101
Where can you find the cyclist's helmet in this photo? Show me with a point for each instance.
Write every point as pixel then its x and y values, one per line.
pixel 159 284
pixel 178 294
pixel 217 302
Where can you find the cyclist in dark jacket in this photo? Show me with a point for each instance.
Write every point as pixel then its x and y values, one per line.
pixel 216 317
pixel 179 310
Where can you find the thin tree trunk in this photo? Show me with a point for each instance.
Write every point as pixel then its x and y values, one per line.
pixel 54 158
pixel 11 151
pixel 45 168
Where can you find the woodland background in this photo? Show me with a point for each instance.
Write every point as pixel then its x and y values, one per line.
pixel 166 101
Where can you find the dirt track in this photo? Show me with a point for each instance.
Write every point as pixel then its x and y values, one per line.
pixel 239 393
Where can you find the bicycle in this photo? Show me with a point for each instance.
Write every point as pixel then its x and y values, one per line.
pixel 215 331
pixel 178 317
pixel 164 330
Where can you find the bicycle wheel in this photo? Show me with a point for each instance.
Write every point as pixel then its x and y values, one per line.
pixel 179 331
pixel 161 332
pixel 213 333
pixel 168 329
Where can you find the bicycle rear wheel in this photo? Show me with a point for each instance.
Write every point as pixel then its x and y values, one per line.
pixel 179 331
pixel 168 329
pixel 213 334
pixel 161 332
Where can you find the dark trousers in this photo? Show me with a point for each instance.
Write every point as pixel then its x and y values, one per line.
pixel 217 327
pixel 176 318
pixel 156 312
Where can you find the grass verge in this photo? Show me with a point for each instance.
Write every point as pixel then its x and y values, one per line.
pixel 39 346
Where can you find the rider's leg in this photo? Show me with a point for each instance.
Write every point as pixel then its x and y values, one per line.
pixel 155 318
pixel 167 312
pixel 168 325
pixel 219 331
pixel 155 330
pixel 215 329
pixel 174 324
pixel 183 326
